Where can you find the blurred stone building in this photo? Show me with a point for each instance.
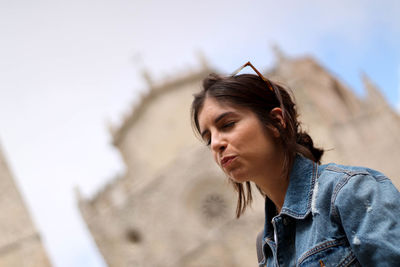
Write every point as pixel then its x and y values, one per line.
pixel 20 244
pixel 173 207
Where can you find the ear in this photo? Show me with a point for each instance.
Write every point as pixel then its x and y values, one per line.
pixel 277 114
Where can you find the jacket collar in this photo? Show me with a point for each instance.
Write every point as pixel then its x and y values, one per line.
pixel 298 196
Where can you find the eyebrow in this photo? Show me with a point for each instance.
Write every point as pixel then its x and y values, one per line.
pixel 217 119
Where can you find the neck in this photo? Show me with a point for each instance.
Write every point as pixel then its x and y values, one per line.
pixel 276 192
pixel 274 183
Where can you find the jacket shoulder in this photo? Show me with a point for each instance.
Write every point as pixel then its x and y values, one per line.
pixel 338 171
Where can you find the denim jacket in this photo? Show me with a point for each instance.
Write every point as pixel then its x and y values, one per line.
pixel 333 215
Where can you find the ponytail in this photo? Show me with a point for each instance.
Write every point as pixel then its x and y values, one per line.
pixel 305 146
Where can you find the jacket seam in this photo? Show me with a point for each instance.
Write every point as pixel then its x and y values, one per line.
pixel 321 247
pixel 348 172
pixel 348 260
pixel 337 190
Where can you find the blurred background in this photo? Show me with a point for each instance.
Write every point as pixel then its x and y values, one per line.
pixel 84 86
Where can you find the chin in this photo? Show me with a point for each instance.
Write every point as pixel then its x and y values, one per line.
pixel 238 179
pixel 237 175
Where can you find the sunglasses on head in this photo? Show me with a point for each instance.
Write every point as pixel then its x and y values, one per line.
pixel 248 64
pixel 269 84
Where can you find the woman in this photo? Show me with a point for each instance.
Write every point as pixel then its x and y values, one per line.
pixel 315 215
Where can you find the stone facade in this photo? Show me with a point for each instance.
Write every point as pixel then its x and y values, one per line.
pixel 355 131
pixel 173 206
pixel 20 244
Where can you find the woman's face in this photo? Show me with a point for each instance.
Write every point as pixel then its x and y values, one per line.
pixel 239 143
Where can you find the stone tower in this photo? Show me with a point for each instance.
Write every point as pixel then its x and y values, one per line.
pixel 20 244
pixel 173 207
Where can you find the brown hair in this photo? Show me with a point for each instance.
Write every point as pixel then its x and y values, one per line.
pixel 253 93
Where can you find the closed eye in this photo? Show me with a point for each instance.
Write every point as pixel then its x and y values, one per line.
pixel 207 139
pixel 223 127
pixel 228 125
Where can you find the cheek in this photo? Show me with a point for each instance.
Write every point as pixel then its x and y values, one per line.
pixel 262 146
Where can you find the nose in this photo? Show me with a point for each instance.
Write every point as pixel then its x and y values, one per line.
pixel 218 143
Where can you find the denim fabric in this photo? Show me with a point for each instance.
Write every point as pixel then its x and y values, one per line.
pixel 334 215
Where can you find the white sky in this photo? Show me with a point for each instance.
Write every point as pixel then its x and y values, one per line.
pixel 69 67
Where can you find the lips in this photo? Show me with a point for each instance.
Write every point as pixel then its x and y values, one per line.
pixel 225 161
